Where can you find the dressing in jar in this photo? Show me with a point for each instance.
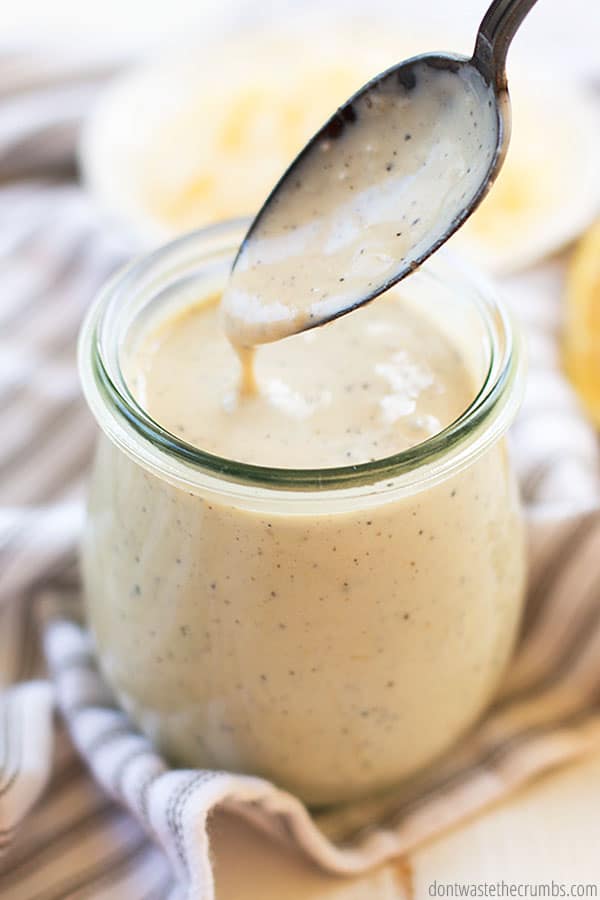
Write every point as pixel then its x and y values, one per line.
pixel 319 582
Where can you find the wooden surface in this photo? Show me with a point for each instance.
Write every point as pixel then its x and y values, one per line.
pixel 550 831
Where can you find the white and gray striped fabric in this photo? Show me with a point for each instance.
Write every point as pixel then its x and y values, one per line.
pixel 121 824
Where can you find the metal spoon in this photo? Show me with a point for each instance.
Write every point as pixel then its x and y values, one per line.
pixel 387 180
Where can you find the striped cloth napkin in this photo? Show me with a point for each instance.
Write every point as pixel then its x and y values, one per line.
pixel 121 824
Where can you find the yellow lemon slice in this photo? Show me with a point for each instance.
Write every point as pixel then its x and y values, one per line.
pixel 582 322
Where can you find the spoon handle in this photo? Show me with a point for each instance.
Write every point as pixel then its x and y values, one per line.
pixel 497 29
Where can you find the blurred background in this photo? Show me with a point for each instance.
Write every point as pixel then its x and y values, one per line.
pixel 236 87
pixel 135 24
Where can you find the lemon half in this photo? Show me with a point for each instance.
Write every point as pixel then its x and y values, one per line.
pixel 582 321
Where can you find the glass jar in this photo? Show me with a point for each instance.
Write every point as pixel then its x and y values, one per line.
pixel 333 630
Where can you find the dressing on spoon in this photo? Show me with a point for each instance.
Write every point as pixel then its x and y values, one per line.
pixel 385 182
pixel 406 156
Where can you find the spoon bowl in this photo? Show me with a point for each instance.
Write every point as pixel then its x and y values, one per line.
pixel 382 185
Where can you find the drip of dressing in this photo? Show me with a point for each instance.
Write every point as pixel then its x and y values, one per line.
pixel 381 380
pixel 247 384
pixel 410 154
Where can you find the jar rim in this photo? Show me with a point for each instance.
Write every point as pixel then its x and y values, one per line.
pixel 125 421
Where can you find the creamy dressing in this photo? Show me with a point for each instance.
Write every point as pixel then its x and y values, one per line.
pixel 333 652
pixel 371 385
pixel 333 645
pixel 384 184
